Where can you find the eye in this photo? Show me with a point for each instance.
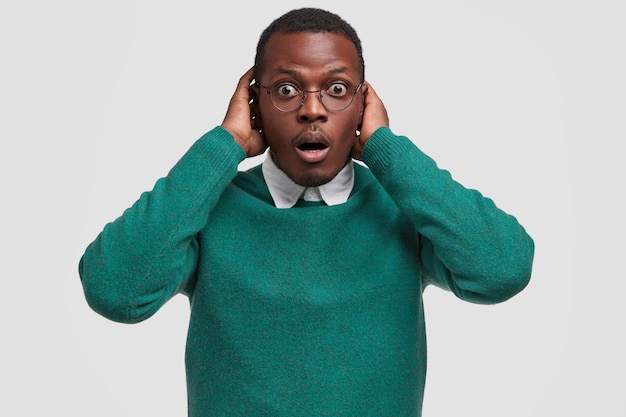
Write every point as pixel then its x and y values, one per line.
pixel 337 89
pixel 287 90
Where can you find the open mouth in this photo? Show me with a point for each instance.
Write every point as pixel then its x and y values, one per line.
pixel 312 146
pixel 312 151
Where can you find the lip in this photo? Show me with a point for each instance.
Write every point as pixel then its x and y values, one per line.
pixel 312 157
pixel 312 147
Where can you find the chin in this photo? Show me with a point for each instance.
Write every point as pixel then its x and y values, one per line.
pixel 316 176
pixel 313 179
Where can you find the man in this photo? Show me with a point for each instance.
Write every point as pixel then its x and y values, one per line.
pixel 305 274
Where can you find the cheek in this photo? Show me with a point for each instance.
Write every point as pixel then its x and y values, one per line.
pixel 351 122
pixel 271 121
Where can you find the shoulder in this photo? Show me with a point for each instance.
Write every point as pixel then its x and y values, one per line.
pixel 252 182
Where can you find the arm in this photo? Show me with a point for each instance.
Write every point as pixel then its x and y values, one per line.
pixel 468 245
pixel 149 254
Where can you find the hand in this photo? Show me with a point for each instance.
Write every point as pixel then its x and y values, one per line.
pixel 239 122
pixel 374 116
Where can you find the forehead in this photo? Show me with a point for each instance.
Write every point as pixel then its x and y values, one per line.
pixel 308 54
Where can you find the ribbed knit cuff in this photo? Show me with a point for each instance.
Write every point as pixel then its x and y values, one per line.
pixel 384 148
pixel 218 141
pixel 210 163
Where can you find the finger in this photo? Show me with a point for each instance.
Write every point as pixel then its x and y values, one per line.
pixel 369 93
pixel 246 79
pixel 241 91
pixel 238 112
pixel 241 96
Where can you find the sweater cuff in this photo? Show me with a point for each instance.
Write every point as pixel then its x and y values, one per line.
pixel 219 141
pixel 384 148
pixel 216 152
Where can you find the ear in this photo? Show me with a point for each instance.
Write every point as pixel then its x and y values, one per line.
pixel 362 109
pixel 255 113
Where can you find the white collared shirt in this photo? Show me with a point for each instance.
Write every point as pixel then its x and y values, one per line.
pixel 286 193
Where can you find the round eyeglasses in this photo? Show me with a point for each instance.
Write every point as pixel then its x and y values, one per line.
pixel 288 96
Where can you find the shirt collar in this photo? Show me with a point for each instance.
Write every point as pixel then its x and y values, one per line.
pixel 286 193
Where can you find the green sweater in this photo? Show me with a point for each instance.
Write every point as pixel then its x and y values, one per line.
pixel 310 311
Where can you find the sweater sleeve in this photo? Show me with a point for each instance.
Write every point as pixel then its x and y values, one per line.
pixel 468 245
pixel 150 253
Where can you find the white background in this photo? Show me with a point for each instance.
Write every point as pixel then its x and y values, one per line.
pixel 523 100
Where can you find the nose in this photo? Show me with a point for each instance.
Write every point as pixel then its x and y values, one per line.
pixel 312 107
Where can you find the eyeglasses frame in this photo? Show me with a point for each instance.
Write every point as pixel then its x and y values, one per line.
pixel 303 92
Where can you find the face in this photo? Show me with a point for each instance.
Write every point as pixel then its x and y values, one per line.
pixel 310 144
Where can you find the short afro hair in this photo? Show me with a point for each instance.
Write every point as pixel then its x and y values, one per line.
pixel 308 20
